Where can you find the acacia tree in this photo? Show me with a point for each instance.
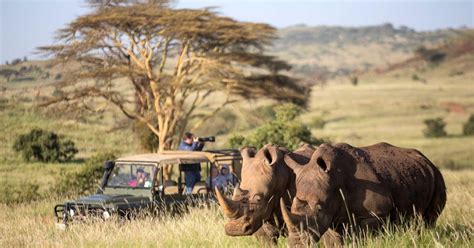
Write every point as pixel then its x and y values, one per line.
pixel 172 59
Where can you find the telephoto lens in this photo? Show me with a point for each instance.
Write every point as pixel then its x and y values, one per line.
pixel 207 139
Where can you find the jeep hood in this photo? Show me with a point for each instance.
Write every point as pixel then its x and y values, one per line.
pixel 116 199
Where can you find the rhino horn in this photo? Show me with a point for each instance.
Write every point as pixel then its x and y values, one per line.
pixel 294 166
pixel 228 206
pixel 290 219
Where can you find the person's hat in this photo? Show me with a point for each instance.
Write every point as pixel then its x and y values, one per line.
pixel 225 167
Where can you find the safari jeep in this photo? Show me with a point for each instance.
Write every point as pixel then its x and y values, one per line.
pixel 134 183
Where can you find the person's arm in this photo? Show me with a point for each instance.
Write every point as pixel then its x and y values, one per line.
pixel 208 184
pixel 200 146
pixel 182 146
pixel 197 146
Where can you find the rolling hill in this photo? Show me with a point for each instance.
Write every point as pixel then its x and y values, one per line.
pixel 324 52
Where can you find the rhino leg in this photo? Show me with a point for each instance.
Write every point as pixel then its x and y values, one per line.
pixel 332 238
pixel 267 234
pixel 438 200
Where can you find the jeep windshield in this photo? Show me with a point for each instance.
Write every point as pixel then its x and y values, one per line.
pixel 131 175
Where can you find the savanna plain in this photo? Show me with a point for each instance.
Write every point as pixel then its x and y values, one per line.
pixel 389 106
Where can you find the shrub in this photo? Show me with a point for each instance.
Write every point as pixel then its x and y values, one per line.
pixel 8 73
pixel 434 128
pixel 23 79
pixel 257 117
pixel 317 122
pixel 148 140
pixel 285 130
pixel 433 56
pixel 266 112
pixel 468 127
pixel 453 165
pixel 44 146
pixel 236 141
pixel 26 192
pixel 16 61
pixel 86 180
pixel 58 93
pixel 455 73
pixel 354 80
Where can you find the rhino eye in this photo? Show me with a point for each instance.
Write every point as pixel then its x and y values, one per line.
pixel 315 207
pixel 300 204
pixel 258 198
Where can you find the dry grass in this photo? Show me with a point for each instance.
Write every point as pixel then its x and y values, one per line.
pixel 392 108
pixel 387 108
pixel 33 225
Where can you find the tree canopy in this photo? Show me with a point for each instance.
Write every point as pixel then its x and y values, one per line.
pixel 171 60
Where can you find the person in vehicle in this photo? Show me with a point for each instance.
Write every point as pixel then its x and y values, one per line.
pixel 141 179
pixel 147 183
pixel 192 172
pixel 218 180
pixel 228 177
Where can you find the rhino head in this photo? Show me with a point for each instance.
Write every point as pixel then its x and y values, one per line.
pixel 264 182
pixel 318 197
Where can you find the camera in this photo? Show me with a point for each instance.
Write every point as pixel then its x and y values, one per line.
pixel 207 139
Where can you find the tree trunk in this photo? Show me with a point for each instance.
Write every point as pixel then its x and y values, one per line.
pixel 164 146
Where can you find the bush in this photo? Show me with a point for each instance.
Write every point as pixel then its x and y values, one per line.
pixel 317 122
pixel 86 180
pixel 257 117
pixel 58 93
pixel 44 146
pixel 468 127
pixel 236 141
pixel 285 130
pixel 433 56
pixel 24 193
pixel 434 128
pixel 453 165
pixel 455 73
pixel 148 140
pixel 354 80
pixel 16 62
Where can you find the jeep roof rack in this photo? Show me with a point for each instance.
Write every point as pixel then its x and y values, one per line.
pixel 184 156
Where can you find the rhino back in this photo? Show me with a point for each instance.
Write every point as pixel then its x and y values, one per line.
pixel 303 154
pixel 407 173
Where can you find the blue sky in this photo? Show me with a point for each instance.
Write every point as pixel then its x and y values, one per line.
pixel 26 24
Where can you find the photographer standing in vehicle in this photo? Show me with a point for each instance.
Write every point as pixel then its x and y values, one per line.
pixel 192 172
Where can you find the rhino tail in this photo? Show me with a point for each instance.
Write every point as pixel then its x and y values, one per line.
pixel 438 200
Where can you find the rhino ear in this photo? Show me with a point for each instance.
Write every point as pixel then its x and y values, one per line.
pixel 247 152
pixel 322 164
pixel 294 166
pixel 271 155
